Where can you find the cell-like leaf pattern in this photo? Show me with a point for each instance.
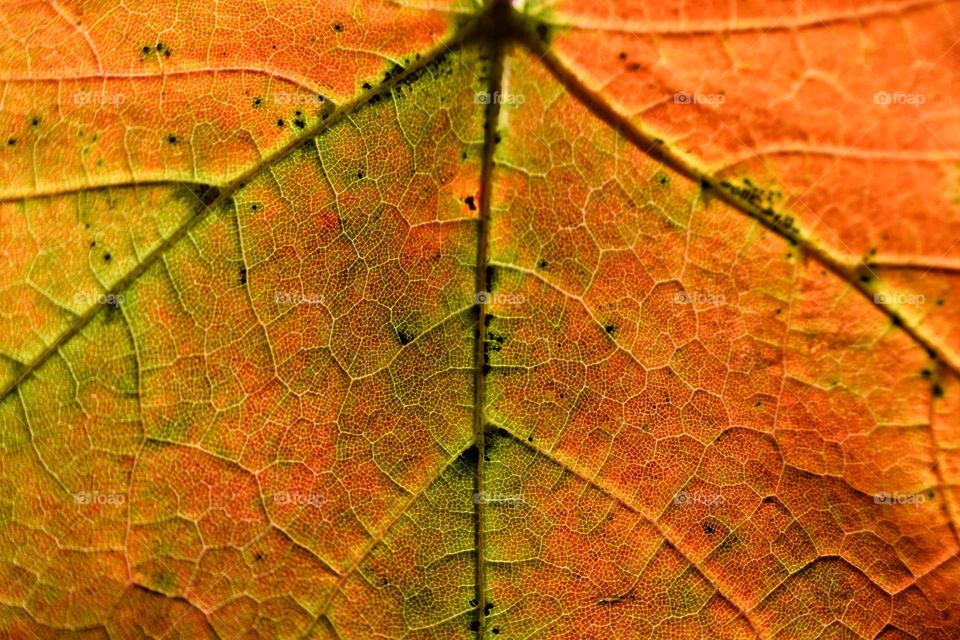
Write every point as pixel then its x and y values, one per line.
pixel 455 319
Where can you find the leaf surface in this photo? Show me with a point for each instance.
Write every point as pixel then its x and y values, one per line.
pixel 428 320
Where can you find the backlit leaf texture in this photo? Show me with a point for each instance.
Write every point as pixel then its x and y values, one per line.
pixel 443 319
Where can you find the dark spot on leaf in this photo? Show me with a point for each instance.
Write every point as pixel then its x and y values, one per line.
pixel 254 207
pixel 35 122
pixel 470 203
pixel 257 102
pixel 938 391
pixel 865 278
pixel 337 27
pixel 159 46
pixel 280 122
pixel 473 602
pixel 366 85
pixel 243 276
pixel 529 438
pixel 11 142
pixel 359 174
pixel 496 630
pixel 405 335
pixel 107 257
pixel 926 373
pixel 623 55
pixel 708 529
pixel 470 457
pixel 300 124
pixel 542 264
pixel 487 608
pixel 145 50
pixel 609 328
pixel 172 139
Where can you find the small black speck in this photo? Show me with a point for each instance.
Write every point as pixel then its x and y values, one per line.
pixel 366 85
pixel 496 139
pixel 496 630
pixel 939 302
pixel 145 50
pixel 473 602
pixel 470 203
pixel 299 124
pixel 35 122
pixel 11 142
pixel 609 328
pixel 405 335
pixel 896 321
pixel 926 373
pixel 623 55
pixel 663 181
pixel 529 438
pixel 542 264
pixel 254 207
pixel 166 53
pixel 172 139
pixel 463 155
pixel 243 276
pixel 708 529
pixel 337 27
pixel 93 243
pixel 865 278
pixel 359 174
pixel 487 608
pixel 937 391
pixel 298 113
pixel 258 556
pixel 779 311
pixel 257 102
pixel 107 257
pixel 159 46
pixel 280 122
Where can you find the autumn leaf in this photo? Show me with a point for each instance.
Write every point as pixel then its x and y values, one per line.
pixel 438 320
